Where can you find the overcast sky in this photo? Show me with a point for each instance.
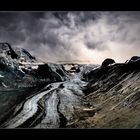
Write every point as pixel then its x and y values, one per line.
pixel 67 36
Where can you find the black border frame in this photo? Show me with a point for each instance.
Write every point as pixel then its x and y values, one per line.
pixel 69 5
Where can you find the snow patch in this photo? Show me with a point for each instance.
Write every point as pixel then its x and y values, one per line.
pixel 1 75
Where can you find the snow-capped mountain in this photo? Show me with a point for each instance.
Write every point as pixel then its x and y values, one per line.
pixel 17 58
pixel 19 65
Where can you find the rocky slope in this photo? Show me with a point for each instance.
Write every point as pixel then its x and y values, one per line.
pixel 113 96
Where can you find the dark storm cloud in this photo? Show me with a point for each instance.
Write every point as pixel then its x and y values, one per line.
pixel 60 36
pixel 13 25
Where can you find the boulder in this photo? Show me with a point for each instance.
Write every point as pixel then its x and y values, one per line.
pixel 107 62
